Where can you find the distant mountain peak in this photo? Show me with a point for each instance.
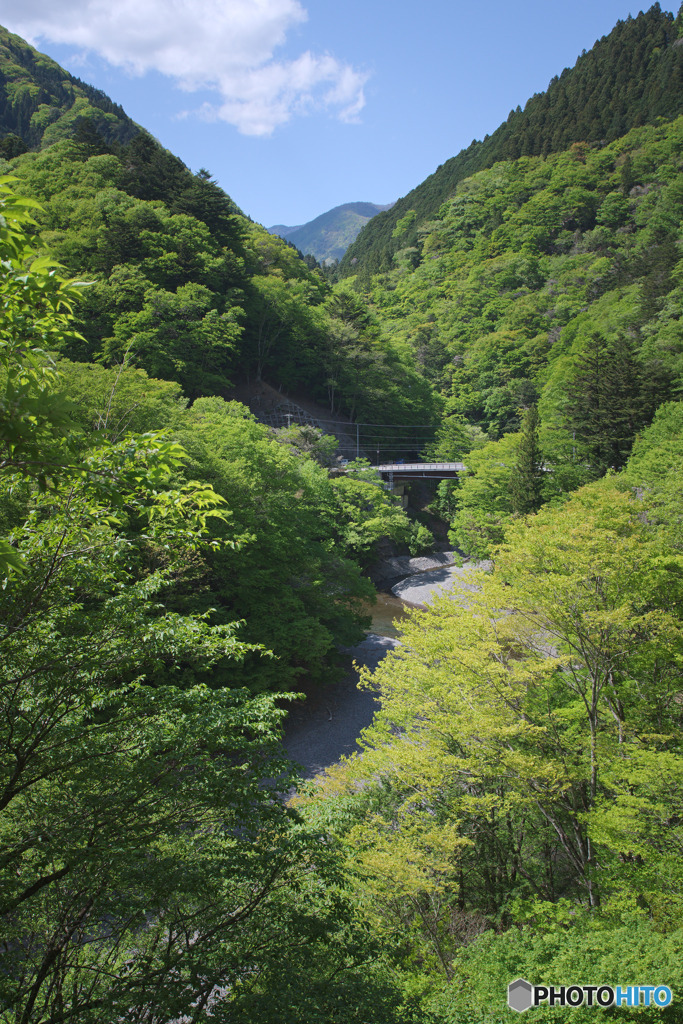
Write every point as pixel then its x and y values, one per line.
pixel 328 236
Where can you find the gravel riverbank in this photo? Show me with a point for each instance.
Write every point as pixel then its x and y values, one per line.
pixel 326 726
pixel 421 587
pixel 387 572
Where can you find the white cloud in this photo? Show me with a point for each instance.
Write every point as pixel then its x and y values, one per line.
pixel 224 45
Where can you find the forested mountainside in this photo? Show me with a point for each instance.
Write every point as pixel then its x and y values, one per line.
pixel 41 103
pixel 157 560
pixel 514 813
pixel 209 297
pixel 328 236
pixel 170 566
pixel 630 77
pixel 184 289
pixel 543 306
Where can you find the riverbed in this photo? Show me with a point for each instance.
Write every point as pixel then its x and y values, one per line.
pixel 326 725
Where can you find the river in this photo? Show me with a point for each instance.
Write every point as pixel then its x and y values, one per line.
pixel 326 726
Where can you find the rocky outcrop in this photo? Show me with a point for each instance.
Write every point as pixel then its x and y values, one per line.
pixel 385 573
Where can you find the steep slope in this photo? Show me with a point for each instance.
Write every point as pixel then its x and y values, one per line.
pixel 547 302
pixel 533 258
pixel 184 285
pixel 329 235
pixel 41 103
pixel 630 77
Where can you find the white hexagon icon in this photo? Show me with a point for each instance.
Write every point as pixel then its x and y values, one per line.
pixel 520 995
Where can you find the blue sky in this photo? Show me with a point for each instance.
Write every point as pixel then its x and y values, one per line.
pixel 296 106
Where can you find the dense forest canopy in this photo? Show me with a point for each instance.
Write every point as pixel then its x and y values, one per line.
pixel 630 77
pixel 549 284
pixel 174 260
pixel 515 809
pixel 172 568
pixel 148 857
pixel 41 103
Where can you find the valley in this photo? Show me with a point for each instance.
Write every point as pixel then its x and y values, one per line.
pixel 327 724
pixel 209 503
pixel 328 236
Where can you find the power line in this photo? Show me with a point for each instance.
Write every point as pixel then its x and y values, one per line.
pixel 353 426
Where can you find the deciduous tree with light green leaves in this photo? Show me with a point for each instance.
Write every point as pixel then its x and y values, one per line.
pixel 528 745
pixel 36 306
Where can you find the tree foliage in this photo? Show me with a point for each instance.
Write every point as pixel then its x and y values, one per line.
pixel 526 481
pixel 524 768
pixel 629 77
pixel 188 289
pixel 149 865
pixel 167 560
pixel 37 307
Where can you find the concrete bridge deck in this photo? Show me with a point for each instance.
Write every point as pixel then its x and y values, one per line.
pixel 420 470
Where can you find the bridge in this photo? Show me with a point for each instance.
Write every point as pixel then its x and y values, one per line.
pixel 391 471
pixel 370 441
pixel 394 474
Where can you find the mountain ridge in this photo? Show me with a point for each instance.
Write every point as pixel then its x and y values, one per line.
pixel 629 77
pixel 328 236
pixel 40 102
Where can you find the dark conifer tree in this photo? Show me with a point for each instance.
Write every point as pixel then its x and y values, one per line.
pixel 607 402
pixel 626 174
pixel 527 476
pixel 12 146
pixel 87 140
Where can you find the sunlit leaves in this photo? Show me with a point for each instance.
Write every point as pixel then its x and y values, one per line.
pixel 36 307
pixel 530 723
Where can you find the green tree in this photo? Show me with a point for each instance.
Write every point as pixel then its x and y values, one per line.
pixel 179 336
pixel 451 443
pixel 311 441
pixel 515 753
pixel 101 854
pixel 299 592
pixel 554 945
pixel 362 512
pixel 483 497
pixel 279 321
pixel 148 863
pixel 526 480
pixel 149 867
pixel 35 317
pixel 605 402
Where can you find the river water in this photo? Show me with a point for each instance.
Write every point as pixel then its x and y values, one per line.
pixel 326 726
pixel 387 615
